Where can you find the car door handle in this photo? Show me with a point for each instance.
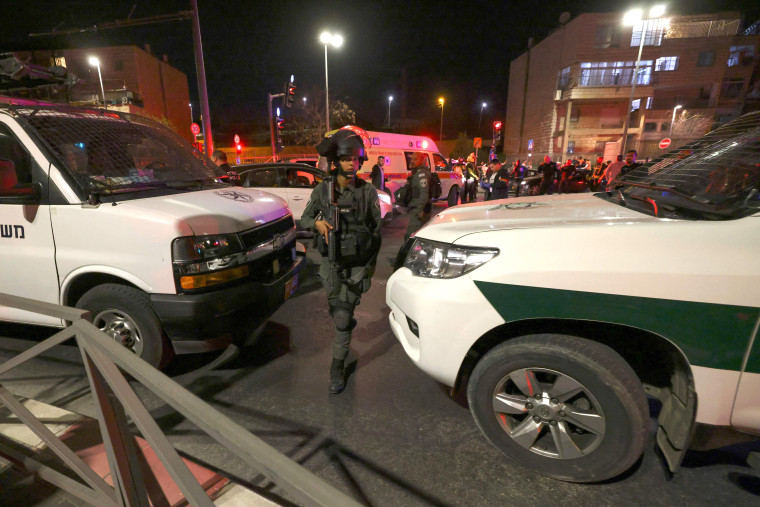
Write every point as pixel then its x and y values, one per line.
pixel 298 198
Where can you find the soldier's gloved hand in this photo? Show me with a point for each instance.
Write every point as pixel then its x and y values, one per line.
pixel 323 228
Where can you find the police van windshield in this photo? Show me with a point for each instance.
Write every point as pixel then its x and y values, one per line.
pixel 116 153
pixel 715 177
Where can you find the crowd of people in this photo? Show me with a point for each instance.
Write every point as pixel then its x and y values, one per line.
pixel 496 177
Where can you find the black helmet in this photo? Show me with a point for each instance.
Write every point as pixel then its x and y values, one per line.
pixel 343 143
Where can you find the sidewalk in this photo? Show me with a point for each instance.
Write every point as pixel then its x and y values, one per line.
pixel 19 486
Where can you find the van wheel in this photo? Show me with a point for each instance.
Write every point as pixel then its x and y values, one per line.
pixel 125 315
pixel 453 196
pixel 569 408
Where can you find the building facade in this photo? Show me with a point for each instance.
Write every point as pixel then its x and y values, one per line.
pixel 134 81
pixel 569 93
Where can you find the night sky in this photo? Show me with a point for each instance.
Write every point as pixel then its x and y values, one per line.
pixel 457 49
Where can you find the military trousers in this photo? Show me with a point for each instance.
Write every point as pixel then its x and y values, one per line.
pixel 417 218
pixel 342 298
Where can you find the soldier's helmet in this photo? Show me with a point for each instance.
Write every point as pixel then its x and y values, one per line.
pixel 343 143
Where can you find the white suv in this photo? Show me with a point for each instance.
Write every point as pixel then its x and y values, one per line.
pixel 558 315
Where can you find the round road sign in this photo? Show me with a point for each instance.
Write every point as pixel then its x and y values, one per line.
pixel 195 129
pixel 237 139
pixel 664 143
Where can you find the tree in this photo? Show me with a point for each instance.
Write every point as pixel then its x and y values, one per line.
pixel 691 125
pixel 309 126
pixel 463 146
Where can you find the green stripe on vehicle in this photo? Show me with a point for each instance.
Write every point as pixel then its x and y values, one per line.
pixel 711 335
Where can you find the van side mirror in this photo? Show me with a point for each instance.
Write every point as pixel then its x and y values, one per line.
pixel 23 193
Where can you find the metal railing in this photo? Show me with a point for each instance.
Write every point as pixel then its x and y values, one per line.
pixel 106 362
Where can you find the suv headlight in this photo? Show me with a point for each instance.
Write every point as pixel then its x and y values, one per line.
pixel 432 259
pixel 202 261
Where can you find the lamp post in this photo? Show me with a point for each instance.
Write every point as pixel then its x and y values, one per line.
pixel 95 62
pixel 440 135
pixel 304 102
pixel 390 99
pixel 335 40
pixel 480 119
pixel 631 18
pixel 191 112
pixel 673 120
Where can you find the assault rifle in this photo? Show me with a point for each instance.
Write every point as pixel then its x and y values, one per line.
pixel 333 218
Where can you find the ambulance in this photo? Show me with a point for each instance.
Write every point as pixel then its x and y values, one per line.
pixel 117 215
pixel 397 150
pixel 572 310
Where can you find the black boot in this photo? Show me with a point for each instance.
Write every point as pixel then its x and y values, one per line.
pixel 337 376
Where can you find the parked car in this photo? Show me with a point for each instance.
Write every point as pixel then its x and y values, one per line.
pixel 579 306
pixel 294 183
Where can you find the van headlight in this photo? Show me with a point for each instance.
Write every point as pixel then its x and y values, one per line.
pixel 202 261
pixel 432 259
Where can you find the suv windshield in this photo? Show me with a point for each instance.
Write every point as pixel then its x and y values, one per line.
pixel 105 152
pixel 713 178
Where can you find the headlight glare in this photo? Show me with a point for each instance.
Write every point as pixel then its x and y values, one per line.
pixel 432 259
pixel 199 248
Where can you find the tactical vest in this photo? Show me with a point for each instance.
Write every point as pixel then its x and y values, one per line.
pixel 356 243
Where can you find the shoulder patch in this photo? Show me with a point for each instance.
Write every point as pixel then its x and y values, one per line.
pixel 423 182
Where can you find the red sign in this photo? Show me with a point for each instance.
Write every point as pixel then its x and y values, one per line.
pixel 477 142
pixel 195 129
pixel 237 139
pixel 664 143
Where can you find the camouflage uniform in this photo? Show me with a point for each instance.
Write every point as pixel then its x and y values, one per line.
pixel 420 204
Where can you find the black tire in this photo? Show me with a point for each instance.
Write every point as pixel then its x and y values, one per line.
pixel 607 398
pixel 453 197
pixel 125 314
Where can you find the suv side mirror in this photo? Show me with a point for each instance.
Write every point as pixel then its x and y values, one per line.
pixel 24 193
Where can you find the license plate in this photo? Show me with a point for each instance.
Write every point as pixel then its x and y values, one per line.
pixel 291 286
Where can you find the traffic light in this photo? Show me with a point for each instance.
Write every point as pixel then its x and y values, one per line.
pixel 279 125
pixel 497 131
pixel 290 93
pixel 239 148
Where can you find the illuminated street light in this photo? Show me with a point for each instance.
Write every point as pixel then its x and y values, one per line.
pixel 480 120
pixel 441 102
pixel 336 41
pixel 191 112
pixel 674 119
pixel 631 18
pixel 95 62
pixel 390 99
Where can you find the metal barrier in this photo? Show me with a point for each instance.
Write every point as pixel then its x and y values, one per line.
pixel 106 362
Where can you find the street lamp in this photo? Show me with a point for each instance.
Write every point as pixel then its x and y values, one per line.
pixel 390 99
pixel 335 40
pixel 672 121
pixel 191 112
pixel 631 18
pixel 440 136
pixel 304 102
pixel 93 60
pixel 480 120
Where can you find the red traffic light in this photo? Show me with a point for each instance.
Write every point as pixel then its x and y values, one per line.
pixel 497 125
pixel 239 148
pixel 280 123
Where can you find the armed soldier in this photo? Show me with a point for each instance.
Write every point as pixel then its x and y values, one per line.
pixel 417 191
pixel 345 212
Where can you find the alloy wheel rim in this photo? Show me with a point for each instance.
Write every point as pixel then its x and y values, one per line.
pixel 549 413
pixel 121 328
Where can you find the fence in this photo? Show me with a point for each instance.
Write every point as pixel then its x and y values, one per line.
pixel 105 362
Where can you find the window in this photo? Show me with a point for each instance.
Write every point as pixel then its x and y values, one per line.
pixel 607 36
pixel 706 58
pixel 666 63
pixel 650 126
pixel 731 88
pixel 665 126
pixel 649 102
pixel 564 78
pixel 575 114
pixel 740 55
pixel 265 178
pixel 615 73
pixel 653 30
pixel 635 104
pixel 408 155
pixel 705 92
pixel 571 146
pixel 118 65
pixel 60 61
pixel 440 163
pixel 301 178
pixel 15 162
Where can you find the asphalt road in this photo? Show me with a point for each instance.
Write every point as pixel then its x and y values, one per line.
pixel 393 437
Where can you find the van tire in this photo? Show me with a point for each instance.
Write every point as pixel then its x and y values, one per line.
pixel 120 310
pixel 600 390
pixel 453 197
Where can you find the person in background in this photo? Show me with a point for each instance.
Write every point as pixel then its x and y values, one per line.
pixel 630 162
pixel 567 172
pixel 548 170
pixel 611 173
pixel 418 184
pixel 378 174
pixel 500 185
pixel 470 192
pixel 518 174
pixel 220 159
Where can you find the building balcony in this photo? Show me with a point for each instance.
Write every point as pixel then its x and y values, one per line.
pixel 603 93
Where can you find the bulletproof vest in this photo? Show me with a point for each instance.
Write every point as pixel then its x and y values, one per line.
pixel 356 244
pixel 352 210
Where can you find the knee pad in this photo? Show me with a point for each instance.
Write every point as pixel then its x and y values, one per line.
pixel 343 319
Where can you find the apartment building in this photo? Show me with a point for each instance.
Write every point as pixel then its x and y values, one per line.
pixel 568 94
pixel 134 81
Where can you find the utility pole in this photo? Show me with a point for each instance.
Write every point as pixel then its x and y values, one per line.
pixel 271 122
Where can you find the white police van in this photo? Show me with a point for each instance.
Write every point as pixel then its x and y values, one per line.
pixel 564 312
pixel 116 214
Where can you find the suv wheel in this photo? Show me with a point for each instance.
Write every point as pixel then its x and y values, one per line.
pixel 566 407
